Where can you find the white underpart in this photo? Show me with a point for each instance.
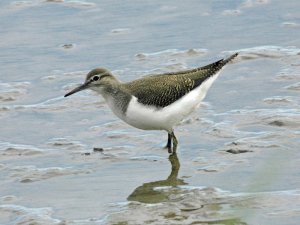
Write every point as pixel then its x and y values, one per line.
pixel 151 118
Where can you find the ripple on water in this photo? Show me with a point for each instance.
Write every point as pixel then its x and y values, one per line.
pixel 120 31
pixel 243 6
pixel 290 24
pixel 13 91
pixel 23 4
pixel 254 3
pixel 68 3
pixel 77 74
pixel 171 53
pixel 80 4
pixel 67 144
pixel 278 100
pixel 265 52
pixel 59 75
pixel 294 87
pixel 223 129
pixel 212 168
pixel 253 143
pixel 2 166
pixel 28 174
pixel 115 153
pixel 287 75
pixel 56 105
pixel 153 158
pixel 23 215
pixel 11 150
pixel 8 199
pixel 217 163
pixel 68 46
pixel 231 12
pixel 290 118
pixel 203 205
pixel 54 0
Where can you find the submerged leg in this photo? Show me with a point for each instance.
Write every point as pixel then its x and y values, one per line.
pixel 169 143
pixel 175 142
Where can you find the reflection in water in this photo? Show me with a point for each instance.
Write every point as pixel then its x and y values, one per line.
pixel 147 193
pixel 189 206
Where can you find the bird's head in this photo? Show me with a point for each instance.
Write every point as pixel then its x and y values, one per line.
pixel 95 80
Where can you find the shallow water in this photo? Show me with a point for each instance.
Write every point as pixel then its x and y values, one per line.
pixel 238 153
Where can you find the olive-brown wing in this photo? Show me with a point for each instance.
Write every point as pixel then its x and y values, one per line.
pixel 160 91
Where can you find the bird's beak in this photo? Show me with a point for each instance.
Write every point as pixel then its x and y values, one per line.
pixel 80 88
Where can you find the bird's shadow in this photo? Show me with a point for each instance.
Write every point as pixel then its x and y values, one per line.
pixel 147 193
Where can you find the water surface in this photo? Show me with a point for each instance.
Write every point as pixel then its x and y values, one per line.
pixel 238 159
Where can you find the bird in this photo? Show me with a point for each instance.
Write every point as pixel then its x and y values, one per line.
pixel 155 102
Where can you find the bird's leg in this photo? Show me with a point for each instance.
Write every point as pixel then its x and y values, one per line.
pixel 169 143
pixel 175 142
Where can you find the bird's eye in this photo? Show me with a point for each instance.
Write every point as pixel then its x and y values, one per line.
pixel 95 78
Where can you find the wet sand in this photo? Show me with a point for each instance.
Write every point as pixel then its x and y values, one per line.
pixel 238 157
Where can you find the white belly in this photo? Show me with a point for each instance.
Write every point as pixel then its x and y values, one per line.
pixel 152 118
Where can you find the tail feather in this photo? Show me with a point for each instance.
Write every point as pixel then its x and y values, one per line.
pixel 219 64
pixel 210 70
pixel 227 60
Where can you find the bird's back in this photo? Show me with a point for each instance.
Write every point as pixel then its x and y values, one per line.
pixel 163 89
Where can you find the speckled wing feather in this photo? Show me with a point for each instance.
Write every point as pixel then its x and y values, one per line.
pixel 163 89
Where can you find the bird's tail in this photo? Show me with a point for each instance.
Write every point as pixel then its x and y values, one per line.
pixel 227 60
pixel 216 66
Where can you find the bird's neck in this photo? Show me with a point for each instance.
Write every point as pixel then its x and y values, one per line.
pixel 116 96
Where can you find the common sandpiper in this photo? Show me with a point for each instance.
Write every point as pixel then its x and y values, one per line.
pixel 155 102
